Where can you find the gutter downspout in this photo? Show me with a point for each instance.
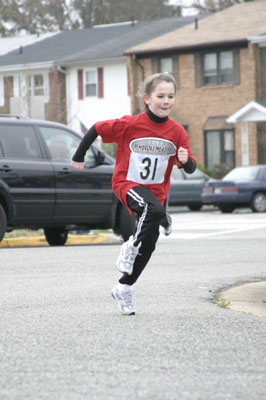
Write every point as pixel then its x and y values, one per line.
pixel 60 69
pixel 140 66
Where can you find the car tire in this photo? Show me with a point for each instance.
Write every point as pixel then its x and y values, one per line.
pixel 127 223
pixel 195 207
pixel 56 236
pixel 3 222
pixel 226 208
pixel 258 202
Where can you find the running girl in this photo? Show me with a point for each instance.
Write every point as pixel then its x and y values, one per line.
pixel 148 146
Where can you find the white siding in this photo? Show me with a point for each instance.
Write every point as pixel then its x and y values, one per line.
pixel 114 104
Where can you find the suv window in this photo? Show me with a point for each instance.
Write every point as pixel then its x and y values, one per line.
pixel 19 142
pixel 63 144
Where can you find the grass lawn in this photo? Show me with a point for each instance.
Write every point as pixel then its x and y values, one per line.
pixel 23 233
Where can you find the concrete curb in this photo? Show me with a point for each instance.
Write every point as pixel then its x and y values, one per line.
pixel 41 241
pixel 249 298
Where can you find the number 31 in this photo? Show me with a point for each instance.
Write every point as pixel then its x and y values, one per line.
pixel 149 168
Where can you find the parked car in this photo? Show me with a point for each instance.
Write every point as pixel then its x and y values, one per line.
pixel 186 188
pixel 39 189
pixel 241 187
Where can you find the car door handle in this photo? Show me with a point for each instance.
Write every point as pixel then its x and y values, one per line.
pixel 64 171
pixel 5 168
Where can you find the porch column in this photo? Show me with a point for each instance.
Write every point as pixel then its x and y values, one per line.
pixel 244 144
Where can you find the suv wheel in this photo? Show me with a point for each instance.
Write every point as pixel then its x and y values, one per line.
pixel 3 222
pixel 56 236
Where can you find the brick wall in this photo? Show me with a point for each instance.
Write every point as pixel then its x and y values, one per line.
pixel 194 106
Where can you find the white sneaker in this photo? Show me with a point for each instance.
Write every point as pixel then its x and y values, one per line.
pixel 124 300
pixel 126 258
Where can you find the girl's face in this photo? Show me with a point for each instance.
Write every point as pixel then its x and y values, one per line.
pixel 161 100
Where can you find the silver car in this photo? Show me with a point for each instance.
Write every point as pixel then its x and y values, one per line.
pixel 186 188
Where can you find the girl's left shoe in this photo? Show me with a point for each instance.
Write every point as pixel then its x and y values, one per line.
pixel 124 300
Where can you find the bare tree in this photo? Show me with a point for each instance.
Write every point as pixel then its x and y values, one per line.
pixel 37 16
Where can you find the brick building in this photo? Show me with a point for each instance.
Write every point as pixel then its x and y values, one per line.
pixel 219 69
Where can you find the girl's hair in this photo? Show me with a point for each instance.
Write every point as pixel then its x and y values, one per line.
pixel 155 79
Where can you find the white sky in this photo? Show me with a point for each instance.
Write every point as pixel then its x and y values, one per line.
pixel 188 11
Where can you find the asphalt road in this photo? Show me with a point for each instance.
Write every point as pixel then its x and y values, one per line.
pixel 62 336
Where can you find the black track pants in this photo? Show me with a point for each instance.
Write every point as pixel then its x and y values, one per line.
pixel 150 212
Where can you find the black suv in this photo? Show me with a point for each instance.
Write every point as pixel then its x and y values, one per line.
pixel 40 189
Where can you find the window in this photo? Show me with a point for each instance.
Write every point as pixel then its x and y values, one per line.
pixel 93 85
pixel 219 149
pixel 36 87
pixel 90 83
pixel 63 144
pixel 177 174
pixel 166 65
pixel 243 173
pixel 19 142
pixel 197 174
pixel 217 68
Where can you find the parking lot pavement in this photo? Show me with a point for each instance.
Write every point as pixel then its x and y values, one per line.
pixel 248 298
pixel 200 225
pixel 63 337
pixel 212 224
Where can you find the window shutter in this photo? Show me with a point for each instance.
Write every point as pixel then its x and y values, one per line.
pixel 100 82
pixel 236 67
pixel 154 65
pixel 197 61
pixel 80 84
pixel 175 68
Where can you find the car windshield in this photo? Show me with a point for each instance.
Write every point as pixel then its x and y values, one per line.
pixel 243 174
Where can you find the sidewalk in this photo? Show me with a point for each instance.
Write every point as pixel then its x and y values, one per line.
pixel 249 298
pixel 40 241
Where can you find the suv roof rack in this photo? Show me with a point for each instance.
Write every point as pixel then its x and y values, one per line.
pixel 12 116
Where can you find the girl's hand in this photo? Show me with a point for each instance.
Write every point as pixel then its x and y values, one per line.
pixel 182 155
pixel 78 165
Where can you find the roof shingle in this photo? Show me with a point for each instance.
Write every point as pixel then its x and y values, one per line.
pixel 97 43
pixel 234 24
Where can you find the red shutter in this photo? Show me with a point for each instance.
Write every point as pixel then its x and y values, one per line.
pixel 80 84
pixel 100 82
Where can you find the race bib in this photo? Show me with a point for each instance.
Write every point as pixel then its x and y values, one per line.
pixel 149 160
